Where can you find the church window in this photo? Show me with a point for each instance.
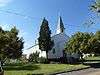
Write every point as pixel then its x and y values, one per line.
pixel 53 51
pixel 53 42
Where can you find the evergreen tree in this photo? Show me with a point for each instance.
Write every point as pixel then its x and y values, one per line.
pixel 45 42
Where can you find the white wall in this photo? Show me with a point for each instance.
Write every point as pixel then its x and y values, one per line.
pixel 59 43
pixel 34 49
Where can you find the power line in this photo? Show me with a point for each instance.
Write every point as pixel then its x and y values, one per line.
pixel 31 46
pixel 18 14
pixel 85 25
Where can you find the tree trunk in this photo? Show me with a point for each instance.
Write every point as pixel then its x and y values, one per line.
pixel 47 57
pixel 1 69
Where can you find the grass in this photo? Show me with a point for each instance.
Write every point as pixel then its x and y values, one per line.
pixel 45 69
pixel 93 62
pixel 20 67
pixel 93 58
pixel 29 69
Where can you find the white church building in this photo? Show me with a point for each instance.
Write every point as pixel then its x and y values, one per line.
pixel 60 39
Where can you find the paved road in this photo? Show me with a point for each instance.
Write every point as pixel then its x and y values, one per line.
pixel 90 71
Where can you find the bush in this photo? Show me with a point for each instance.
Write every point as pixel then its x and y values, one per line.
pixel 34 57
pixel 72 60
pixel 43 60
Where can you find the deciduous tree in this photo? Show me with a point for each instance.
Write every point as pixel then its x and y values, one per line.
pixel 10 44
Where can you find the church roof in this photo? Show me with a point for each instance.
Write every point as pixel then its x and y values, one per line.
pixel 60 35
pixel 60 26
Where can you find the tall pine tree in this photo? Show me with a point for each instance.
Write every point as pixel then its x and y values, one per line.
pixel 45 42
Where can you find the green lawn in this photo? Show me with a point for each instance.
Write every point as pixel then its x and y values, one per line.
pixel 40 69
pixel 93 58
pixel 29 69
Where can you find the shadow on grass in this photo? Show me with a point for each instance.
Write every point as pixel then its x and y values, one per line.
pixel 35 74
pixel 22 67
pixel 15 64
pixel 92 60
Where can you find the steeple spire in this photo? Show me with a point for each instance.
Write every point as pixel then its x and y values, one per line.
pixel 60 26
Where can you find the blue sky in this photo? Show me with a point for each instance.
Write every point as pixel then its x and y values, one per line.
pixel 27 15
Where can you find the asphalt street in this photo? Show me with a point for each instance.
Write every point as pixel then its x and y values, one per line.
pixel 89 71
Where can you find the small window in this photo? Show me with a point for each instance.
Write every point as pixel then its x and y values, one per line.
pixel 53 51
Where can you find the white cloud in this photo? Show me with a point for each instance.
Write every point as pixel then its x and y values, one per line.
pixel 6 27
pixel 4 2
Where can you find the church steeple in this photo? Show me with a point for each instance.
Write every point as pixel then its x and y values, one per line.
pixel 60 26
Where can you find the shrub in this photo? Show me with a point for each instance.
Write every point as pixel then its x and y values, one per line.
pixel 43 60
pixel 34 57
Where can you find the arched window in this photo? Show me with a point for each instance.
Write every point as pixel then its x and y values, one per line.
pixel 53 51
